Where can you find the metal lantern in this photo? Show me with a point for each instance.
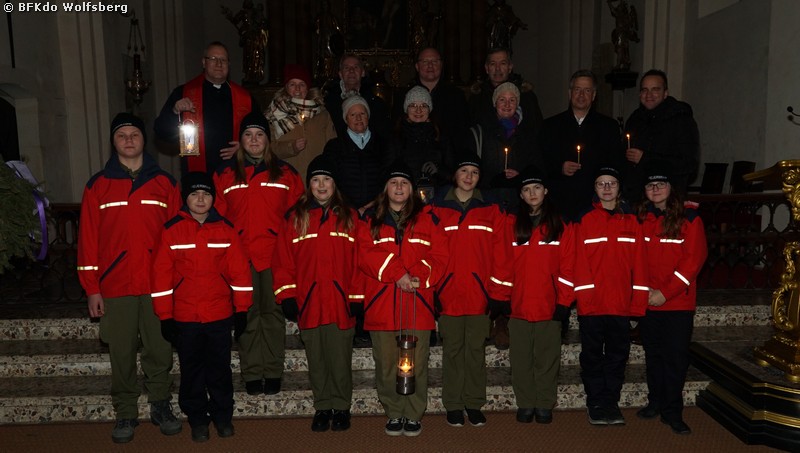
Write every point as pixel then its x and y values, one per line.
pixel 426 190
pixel 406 381
pixel 189 138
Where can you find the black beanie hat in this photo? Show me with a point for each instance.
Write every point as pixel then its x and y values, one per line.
pixel 196 180
pixel 126 119
pixel 610 171
pixel 531 175
pixel 657 170
pixel 467 158
pixel 321 165
pixel 399 169
pixel 254 119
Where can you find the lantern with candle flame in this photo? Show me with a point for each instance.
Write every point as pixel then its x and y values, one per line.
pixel 188 134
pixel 406 381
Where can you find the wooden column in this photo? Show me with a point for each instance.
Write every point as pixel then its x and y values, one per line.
pixel 277 42
pixel 452 34
pixel 478 39
pixel 304 33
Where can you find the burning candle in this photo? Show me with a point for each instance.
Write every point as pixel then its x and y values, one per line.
pixel 303 123
pixel 505 150
pixel 579 154
pixel 628 136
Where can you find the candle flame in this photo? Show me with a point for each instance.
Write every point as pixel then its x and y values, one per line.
pixel 628 136
pixel 405 365
pixel 579 148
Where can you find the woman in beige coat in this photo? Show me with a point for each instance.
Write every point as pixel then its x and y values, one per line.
pixel 299 124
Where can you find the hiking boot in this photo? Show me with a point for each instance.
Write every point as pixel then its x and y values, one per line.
pixel 200 433
pixel 476 417
pixel 123 430
pixel 161 415
pixel 543 416
pixel 394 427
pixel 224 429
pixel 525 415
pixel 597 415
pixel 341 420
pixel 412 428
pixel 455 418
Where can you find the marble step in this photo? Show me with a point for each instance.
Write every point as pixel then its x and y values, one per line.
pixel 86 398
pixel 58 328
pixel 90 357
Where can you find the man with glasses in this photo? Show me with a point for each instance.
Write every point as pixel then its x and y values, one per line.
pixel 353 81
pixel 571 172
pixel 662 128
pixel 215 104
pixel 452 113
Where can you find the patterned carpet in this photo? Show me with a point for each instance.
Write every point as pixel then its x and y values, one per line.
pixel 569 432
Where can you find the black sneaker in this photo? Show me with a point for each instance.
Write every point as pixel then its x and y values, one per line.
pixel 161 415
pixel 341 420
pixel 254 387
pixel 648 412
pixel 614 416
pixel 394 427
pixel 224 429
pixel 476 417
pixel 272 386
pixel 200 433
pixel 455 418
pixel 525 415
pixel 123 430
pixel 543 416
pixel 597 415
pixel 412 428
pixel 322 421
pixel 678 426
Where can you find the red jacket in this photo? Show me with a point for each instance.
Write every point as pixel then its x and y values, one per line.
pixel 421 253
pixel 257 206
pixel 317 269
pixel 196 266
pixel 673 264
pixel 541 274
pixel 610 272
pixel 121 220
pixel 478 244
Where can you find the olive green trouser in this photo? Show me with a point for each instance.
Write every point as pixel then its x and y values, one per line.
pixel 535 356
pixel 463 361
pixel 386 353
pixel 127 319
pixel 262 346
pixel 330 354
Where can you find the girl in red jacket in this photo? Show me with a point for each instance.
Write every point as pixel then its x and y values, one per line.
pixel 476 231
pixel 199 268
pixel 542 274
pixel 255 189
pixel 402 254
pixel 611 287
pixel 675 246
pixel 315 263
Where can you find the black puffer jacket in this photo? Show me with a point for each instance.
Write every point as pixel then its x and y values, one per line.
pixel 668 132
pixel 359 172
pixel 419 143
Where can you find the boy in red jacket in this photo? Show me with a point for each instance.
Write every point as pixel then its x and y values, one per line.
pixel 198 270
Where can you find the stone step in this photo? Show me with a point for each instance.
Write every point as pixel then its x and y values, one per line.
pixel 58 328
pixel 90 357
pixel 86 398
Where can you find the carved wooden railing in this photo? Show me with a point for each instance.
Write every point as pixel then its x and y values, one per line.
pixel 746 234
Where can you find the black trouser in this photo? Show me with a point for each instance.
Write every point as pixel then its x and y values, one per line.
pixel 204 351
pixel 605 345
pixel 665 337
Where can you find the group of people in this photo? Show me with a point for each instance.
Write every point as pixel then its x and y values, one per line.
pixel 318 210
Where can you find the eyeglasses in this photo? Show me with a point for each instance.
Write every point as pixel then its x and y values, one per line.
pixel 418 106
pixel 661 185
pixel 602 184
pixel 217 60
pixel 429 62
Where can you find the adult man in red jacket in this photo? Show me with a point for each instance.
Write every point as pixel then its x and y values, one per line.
pixel 123 209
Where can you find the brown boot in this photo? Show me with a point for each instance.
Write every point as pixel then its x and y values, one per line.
pixel 501 338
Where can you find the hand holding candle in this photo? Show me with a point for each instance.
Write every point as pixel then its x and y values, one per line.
pixel 505 150
pixel 303 123
pixel 579 154
pixel 628 136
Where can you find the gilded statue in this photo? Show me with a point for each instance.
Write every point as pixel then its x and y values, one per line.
pixel 424 26
pixel 251 24
pixel 502 25
pixel 329 43
pixel 625 31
